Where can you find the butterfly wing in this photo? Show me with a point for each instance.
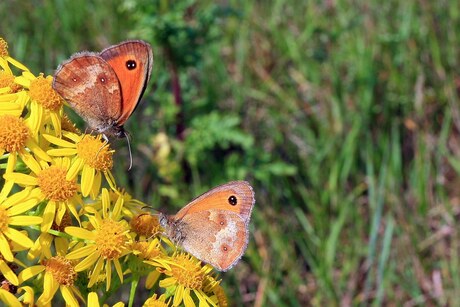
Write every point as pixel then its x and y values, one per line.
pixel 235 196
pixel 221 243
pixel 132 62
pixel 87 75
pixel 214 226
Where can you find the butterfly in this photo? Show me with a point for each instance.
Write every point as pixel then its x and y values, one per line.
pixel 214 227
pixel 105 88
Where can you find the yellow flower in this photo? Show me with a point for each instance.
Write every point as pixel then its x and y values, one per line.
pixel 14 133
pixel 43 245
pixel 10 103
pixel 161 301
pixel 7 84
pixel 54 183
pixel 187 276
pixel 7 269
pixel 221 297
pixel 105 244
pixel 45 103
pixel 149 256
pixel 130 206
pixel 145 225
pixel 10 210
pixel 93 158
pixel 16 139
pixel 59 274
pixel 5 58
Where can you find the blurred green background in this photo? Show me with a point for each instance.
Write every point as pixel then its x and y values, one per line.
pixel 344 115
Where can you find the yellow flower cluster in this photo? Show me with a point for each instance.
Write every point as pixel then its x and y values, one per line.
pixel 64 223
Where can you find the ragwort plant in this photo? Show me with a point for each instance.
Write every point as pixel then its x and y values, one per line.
pixel 67 231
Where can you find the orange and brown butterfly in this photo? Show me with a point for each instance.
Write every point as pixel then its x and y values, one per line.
pixel 214 227
pixel 104 88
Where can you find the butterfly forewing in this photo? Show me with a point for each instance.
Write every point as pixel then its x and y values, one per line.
pixel 132 63
pixel 235 196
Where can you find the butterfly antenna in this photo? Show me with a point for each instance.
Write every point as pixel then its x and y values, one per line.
pixel 129 149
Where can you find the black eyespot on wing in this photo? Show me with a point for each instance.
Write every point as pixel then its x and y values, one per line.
pixel 232 200
pixel 131 64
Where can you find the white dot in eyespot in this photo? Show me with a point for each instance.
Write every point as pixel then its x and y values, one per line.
pixel 74 79
pixel 102 80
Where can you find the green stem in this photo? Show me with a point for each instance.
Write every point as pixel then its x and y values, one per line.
pixel 132 293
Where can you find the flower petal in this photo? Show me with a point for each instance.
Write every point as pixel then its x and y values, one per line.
pixel 56 120
pixel 6 189
pixel 118 269
pixel 38 151
pixel 50 286
pixel 87 178
pixel 69 298
pixel 61 210
pixel 108 274
pixel 9 299
pixel 21 179
pixel 35 120
pixel 188 301
pixel 21 80
pixel 5 249
pixel 30 161
pixel 30 272
pixel 179 295
pixel 8 98
pixel 70 135
pixel 16 198
pixel 96 271
pixel 22 207
pixel 74 169
pixel 74 212
pixel 58 141
pixel 11 164
pixel 93 299
pixel 18 64
pixel 25 220
pixel 62 152
pixel 48 216
pixel 18 237
pixel 8 273
pixel 80 233
pixel 87 262
pixel 81 252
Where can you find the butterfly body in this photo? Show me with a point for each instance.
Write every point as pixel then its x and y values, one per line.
pixel 104 88
pixel 214 227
